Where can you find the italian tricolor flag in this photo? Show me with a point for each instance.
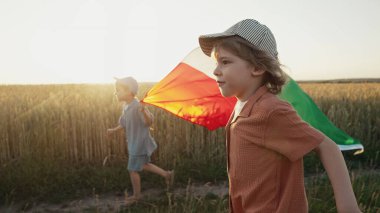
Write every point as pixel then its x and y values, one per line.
pixel 190 92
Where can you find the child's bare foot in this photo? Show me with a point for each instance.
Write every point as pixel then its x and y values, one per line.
pixel 169 179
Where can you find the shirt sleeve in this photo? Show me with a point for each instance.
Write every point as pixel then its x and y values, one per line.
pixel 148 113
pixel 287 134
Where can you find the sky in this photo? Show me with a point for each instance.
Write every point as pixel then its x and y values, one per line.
pixel 92 41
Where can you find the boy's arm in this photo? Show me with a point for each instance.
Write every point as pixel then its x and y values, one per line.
pixel 335 166
pixel 113 130
pixel 119 127
pixel 147 116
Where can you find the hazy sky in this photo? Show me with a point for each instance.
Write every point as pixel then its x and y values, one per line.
pixel 89 41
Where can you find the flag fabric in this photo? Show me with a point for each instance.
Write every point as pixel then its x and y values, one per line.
pixel 190 92
pixel 309 112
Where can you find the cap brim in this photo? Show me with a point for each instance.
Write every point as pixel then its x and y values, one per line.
pixel 207 42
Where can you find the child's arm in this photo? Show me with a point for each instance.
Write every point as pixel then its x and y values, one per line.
pixel 146 115
pixel 119 127
pixel 113 130
pixel 335 166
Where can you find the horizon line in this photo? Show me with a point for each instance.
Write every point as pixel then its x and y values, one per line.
pixel 338 80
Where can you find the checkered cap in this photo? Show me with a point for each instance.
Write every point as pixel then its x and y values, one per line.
pixel 130 82
pixel 249 29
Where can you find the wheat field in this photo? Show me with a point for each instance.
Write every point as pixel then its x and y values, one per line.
pixel 49 131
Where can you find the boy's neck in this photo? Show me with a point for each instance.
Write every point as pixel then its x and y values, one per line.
pixel 129 100
pixel 244 97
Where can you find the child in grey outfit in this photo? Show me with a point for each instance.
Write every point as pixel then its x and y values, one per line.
pixel 135 121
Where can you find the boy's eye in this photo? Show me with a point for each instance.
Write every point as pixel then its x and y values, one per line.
pixel 225 62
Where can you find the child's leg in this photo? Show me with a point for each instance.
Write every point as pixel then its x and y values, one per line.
pixel 155 169
pixel 136 184
pixel 168 175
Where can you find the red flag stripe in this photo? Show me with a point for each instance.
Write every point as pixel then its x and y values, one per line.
pixel 191 95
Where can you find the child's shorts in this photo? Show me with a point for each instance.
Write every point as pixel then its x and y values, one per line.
pixel 137 162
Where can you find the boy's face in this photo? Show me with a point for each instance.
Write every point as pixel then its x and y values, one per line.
pixel 233 74
pixel 123 93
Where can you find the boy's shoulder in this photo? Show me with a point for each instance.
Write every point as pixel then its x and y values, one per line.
pixel 131 108
pixel 271 102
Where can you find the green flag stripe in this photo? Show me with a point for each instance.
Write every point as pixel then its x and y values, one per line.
pixel 309 112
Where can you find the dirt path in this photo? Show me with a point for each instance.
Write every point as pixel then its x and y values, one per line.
pixel 115 203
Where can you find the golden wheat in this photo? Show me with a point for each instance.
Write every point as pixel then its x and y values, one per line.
pixel 68 122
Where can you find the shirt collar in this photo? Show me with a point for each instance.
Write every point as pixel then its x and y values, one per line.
pixel 246 111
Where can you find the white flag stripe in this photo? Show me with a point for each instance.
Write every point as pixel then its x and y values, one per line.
pixel 201 62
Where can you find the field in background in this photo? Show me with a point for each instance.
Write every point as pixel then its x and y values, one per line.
pixel 53 145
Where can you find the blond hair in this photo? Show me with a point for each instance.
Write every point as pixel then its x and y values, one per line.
pixel 274 76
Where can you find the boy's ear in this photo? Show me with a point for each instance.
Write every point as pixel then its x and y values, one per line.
pixel 257 72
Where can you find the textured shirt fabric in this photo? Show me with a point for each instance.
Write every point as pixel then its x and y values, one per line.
pixel 139 140
pixel 265 147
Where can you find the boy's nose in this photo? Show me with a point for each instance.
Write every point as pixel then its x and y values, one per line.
pixel 217 72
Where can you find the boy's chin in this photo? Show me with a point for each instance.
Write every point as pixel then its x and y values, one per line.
pixel 226 93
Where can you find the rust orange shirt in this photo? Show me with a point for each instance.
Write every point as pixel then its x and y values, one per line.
pixel 265 146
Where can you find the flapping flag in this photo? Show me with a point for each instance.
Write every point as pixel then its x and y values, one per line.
pixel 309 112
pixel 190 92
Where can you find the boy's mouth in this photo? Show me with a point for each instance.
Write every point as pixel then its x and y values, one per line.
pixel 220 83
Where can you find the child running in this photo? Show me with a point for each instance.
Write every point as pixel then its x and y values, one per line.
pixel 265 137
pixel 135 121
